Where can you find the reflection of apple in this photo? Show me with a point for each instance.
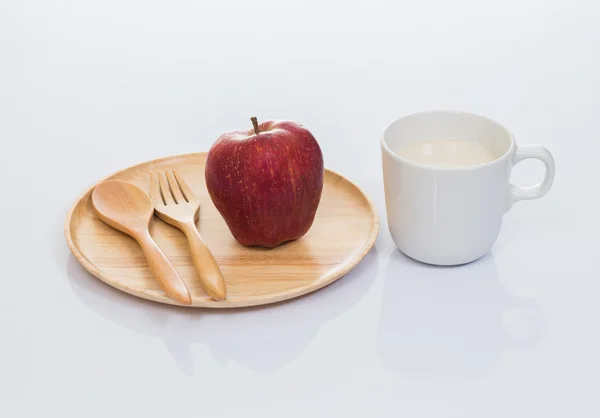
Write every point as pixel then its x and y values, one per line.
pixel 266 182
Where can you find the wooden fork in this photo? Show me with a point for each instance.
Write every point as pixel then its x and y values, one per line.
pixel 175 203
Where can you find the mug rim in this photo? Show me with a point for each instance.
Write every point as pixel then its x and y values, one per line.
pixel 434 168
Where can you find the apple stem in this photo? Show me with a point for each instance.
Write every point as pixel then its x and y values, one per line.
pixel 255 124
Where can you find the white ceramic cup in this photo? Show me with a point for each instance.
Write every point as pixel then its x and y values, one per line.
pixel 450 216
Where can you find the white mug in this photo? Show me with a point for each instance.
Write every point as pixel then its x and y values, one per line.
pixel 452 215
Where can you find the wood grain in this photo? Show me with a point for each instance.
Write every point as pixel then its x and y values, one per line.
pixel 344 230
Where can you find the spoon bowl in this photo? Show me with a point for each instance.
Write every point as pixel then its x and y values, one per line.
pixel 122 205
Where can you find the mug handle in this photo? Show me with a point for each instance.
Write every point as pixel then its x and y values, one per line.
pixel 524 152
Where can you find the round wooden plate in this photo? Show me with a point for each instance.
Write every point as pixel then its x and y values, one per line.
pixel 345 228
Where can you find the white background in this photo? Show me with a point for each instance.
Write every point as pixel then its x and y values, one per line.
pixel 90 87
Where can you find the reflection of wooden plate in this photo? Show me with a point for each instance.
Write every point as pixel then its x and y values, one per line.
pixel 344 230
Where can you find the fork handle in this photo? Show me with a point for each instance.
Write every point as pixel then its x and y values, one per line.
pixel 210 274
pixel 164 272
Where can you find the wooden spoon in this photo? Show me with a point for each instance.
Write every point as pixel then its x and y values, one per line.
pixel 129 209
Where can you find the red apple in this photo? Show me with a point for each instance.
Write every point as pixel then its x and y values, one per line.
pixel 266 182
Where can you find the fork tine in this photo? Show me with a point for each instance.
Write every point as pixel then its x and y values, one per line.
pixel 175 189
pixel 164 189
pixel 185 189
pixel 155 193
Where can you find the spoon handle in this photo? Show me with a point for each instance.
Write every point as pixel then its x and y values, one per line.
pixel 210 274
pixel 168 278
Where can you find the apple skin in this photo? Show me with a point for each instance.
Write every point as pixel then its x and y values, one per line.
pixel 266 186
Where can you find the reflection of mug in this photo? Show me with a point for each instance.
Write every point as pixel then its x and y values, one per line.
pixel 452 215
pixel 451 324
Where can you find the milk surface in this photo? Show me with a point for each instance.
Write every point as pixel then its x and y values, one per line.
pixel 448 153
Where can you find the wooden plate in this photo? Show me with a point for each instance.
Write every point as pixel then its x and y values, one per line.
pixel 344 230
